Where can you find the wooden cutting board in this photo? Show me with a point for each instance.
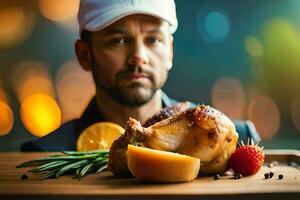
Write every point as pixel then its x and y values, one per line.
pixel 106 186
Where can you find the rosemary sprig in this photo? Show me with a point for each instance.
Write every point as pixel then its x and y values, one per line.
pixel 69 162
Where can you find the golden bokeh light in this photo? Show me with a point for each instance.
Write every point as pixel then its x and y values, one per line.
pixel 6 118
pixel 75 88
pixel 17 21
pixel 228 96
pixel 30 77
pixel 253 46
pixel 59 10
pixel 295 112
pixel 264 113
pixel 40 114
pixel 34 85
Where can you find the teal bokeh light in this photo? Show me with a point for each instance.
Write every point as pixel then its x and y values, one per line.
pixel 214 27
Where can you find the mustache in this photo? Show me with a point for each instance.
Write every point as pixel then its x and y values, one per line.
pixel 132 69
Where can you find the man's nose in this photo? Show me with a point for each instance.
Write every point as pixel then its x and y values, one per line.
pixel 138 54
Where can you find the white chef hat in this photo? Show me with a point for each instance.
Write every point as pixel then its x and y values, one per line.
pixel 94 15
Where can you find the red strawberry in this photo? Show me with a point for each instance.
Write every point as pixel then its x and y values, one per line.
pixel 247 160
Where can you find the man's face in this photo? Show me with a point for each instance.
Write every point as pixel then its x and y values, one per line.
pixel 131 58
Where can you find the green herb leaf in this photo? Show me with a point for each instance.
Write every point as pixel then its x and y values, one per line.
pixel 70 162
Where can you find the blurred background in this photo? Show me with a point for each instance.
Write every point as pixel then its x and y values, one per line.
pixel 242 57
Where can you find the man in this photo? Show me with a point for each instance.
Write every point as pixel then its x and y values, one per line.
pixel 128 47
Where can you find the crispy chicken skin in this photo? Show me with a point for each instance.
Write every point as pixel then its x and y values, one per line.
pixel 202 132
pixel 167 112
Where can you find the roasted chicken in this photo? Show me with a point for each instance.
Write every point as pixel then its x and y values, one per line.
pixel 118 151
pixel 202 132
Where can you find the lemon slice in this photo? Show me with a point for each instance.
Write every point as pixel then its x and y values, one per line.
pixel 100 135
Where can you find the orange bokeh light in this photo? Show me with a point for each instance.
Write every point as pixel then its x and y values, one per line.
pixel 6 118
pixel 59 10
pixel 30 77
pixel 34 85
pixel 228 96
pixel 40 114
pixel 264 113
pixel 75 88
pixel 17 22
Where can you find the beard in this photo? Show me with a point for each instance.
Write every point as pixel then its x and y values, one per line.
pixel 134 94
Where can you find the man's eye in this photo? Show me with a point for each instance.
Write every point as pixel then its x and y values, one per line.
pixel 118 41
pixel 153 40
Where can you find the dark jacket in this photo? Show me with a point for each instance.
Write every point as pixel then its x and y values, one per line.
pixel 64 138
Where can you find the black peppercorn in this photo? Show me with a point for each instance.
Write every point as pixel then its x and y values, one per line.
pixel 24 177
pixel 271 174
pixel 267 175
pixel 216 176
pixel 238 176
pixel 280 176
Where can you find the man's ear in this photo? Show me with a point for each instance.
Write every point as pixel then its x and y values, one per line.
pixel 83 54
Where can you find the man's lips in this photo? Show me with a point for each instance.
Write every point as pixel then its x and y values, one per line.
pixel 135 76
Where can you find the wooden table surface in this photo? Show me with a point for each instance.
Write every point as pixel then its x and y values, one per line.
pixel 106 186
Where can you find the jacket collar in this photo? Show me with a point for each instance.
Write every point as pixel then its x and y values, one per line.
pixel 92 114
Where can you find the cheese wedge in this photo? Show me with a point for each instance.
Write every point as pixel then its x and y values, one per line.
pixel 161 166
